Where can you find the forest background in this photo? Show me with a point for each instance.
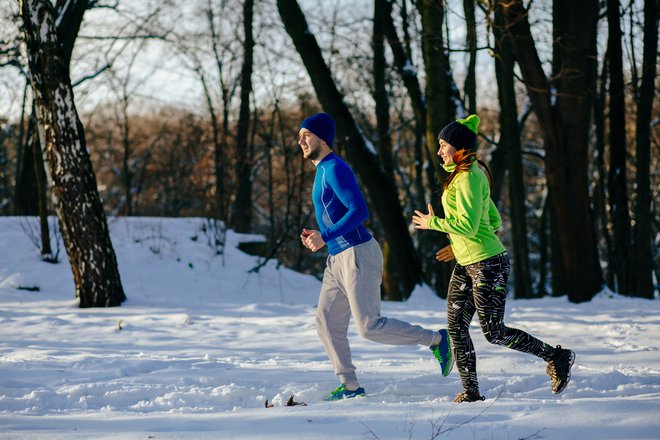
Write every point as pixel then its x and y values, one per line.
pixel 172 109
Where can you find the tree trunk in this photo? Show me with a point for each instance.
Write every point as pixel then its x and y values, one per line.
pixel 242 217
pixel 127 174
pixel 26 192
pixel 218 210
pixel 564 117
pixel 21 144
pixel 510 142
pixel 617 180
pixel 498 165
pixel 428 242
pixel 384 142
pixel 440 110
pixel 471 43
pixel 558 279
pixel 42 192
pixel 600 192
pixel 382 190
pixel 643 233
pixel 77 203
pixel 219 142
pixel 544 247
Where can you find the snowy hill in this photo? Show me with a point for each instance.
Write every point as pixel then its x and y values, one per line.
pixel 201 343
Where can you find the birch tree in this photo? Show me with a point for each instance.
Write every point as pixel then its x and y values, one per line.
pixel 31 191
pixel 76 199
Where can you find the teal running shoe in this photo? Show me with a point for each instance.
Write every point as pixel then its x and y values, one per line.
pixel 443 353
pixel 342 393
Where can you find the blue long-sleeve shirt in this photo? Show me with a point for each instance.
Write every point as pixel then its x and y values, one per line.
pixel 339 205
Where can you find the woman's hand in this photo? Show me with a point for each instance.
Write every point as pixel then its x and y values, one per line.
pixel 421 220
pixel 446 254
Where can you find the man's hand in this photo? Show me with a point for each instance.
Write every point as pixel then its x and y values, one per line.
pixel 311 239
pixel 446 254
pixel 421 220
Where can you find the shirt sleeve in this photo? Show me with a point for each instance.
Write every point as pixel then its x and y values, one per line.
pixel 343 182
pixel 469 207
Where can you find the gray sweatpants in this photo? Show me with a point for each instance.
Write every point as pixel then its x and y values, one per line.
pixel 351 286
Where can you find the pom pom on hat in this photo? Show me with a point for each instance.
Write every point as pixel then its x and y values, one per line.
pixel 471 122
pixel 462 133
pixel 322 125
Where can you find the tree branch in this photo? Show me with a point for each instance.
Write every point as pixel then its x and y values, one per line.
pixel 91 75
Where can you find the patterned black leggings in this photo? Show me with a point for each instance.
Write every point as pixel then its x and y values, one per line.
pixel 481 287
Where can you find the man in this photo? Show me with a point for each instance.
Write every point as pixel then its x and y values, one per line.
pixel 352 278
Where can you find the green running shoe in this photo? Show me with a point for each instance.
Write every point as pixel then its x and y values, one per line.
pixel 342 393
pixel 443 353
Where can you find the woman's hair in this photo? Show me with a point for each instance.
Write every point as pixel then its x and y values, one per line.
pixel 463 159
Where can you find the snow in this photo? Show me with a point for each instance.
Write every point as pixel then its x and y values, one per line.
pixel 198 347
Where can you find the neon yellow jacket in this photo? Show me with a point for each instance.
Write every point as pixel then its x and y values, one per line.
pixel 471 217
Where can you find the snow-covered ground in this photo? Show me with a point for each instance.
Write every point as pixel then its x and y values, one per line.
pixel 200 345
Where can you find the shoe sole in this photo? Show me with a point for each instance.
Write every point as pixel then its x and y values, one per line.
pixel 451 357
pixel 355 396
pixel 568 377
pixel 480 399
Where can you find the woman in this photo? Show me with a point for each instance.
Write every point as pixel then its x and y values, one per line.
pixel 478 282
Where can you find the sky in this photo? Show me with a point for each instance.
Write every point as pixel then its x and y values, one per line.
pixel 160 76
pixel 202 342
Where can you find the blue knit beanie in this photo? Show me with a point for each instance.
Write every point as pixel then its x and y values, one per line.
pixel 462 133
pixel 322 125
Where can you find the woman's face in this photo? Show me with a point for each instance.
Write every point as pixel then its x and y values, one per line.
pixel 446 152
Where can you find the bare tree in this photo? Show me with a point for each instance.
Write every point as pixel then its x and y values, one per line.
pixel 5 136
pixel 125 88
pixel 563 109
pixel 642 250
pixel 600 185
pixel 224 56
pixel 617 177
pixel 77 203
pixel 242 212
pixel 439 105
pixel 471 43
pixel 383 138
pixel 440 110
pixel 510 143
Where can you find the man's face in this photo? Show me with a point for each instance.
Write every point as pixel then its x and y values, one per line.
pixel 310 144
